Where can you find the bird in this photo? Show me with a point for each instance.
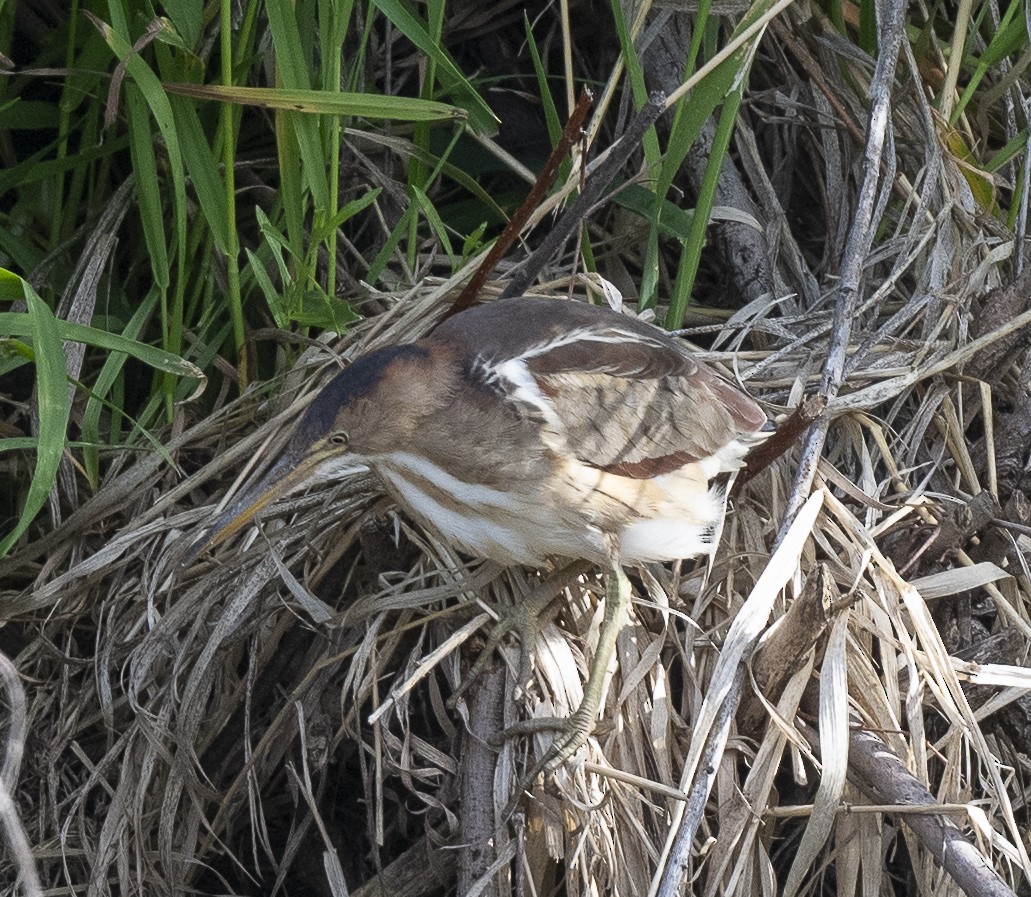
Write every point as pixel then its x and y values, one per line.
pixel 527 431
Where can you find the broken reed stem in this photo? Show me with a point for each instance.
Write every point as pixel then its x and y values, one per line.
pixel 593 191
pixel 570 135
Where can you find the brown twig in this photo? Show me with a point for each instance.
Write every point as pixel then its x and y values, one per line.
pixel 481 847
pixel 570 135
pixel 599 181
pixel 787 434
pixel 875 769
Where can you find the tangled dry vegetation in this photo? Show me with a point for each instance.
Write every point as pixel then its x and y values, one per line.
pixel 274 715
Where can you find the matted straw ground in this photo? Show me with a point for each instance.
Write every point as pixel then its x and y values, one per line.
pixel 276 713
pixel 215 721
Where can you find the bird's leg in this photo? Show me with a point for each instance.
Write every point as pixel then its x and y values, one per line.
pixel 583 720
pixel 575 729
pixel 525 618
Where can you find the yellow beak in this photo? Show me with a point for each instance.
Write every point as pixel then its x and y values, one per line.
pixel 287 474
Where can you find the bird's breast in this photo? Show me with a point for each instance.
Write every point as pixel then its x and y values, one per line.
pixel 572 510
pixel 515 522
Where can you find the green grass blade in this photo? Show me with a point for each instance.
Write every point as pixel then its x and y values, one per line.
pixel 20 324
pixel 112 369
pixel 481 118
pixel 435 221
pixel 373 107
pixel 38 169
pixel 186 16
pixel 229 121
pixel 652 151
pixel 691 256
pixel 551 116
pixel 53 404
pixel 293 69
pixel 454 172
pixel 117 37
pixel 148 187
pixel 200 163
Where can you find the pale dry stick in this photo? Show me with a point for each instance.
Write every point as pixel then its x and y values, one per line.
pixel 303 784
pixel 16 722
pixel 19 845
pixel 17 840
pixel 480 887
pixel 988 418
pixel 859 241
pixel 876 771
pixel 800 811
pixel 427 664
pixel 712 726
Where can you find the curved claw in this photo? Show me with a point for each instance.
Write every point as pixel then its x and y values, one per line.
pixel 579 725
pixel 527 618
pixel 574 730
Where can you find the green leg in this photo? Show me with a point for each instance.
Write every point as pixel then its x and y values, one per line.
pixel 525 618
pixel 575 729
pixel 583 720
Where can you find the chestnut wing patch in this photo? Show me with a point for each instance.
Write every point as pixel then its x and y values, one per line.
pixel 640 409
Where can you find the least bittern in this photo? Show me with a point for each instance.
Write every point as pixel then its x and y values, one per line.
pixel 526 430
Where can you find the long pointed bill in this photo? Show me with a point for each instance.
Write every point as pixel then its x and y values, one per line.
pixel 287 474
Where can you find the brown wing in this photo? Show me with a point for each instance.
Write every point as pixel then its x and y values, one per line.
pixel 625 397
pixel 640 409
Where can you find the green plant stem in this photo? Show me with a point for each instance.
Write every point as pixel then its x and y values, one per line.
pixel 692 253
pixel 228 128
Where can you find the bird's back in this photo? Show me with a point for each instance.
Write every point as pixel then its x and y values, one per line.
pixel 608 433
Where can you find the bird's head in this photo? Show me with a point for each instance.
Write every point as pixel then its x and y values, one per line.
pixel 369 409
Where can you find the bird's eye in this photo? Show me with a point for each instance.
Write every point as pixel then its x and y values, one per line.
pixel 338 439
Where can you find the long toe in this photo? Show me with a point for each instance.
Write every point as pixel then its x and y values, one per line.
pixel 575 731
pixel 571 731
pixel 527 617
